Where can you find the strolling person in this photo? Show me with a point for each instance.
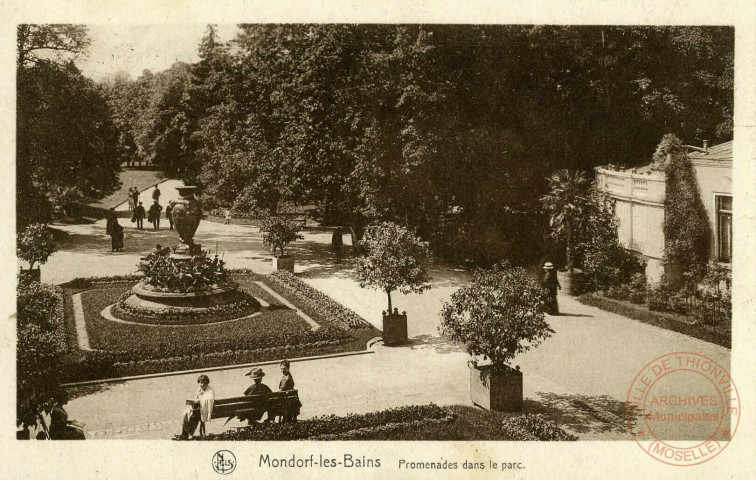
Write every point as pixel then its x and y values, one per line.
pixel 287 383
pixel 115 231
pixel 257 388
pixel 550 284
pixel 156 194
pixel 139 215
pixel 227 221
pixel 135 195
pixel 132 205
pixel 153 215
pixel 168 212
pixel 204 399
pixel 337 242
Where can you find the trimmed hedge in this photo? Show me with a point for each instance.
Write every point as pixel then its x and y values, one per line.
pixel 534 427
pixel 329 425
pixel 318 301
pixel 81 283
pixel 663 320
pixel 417 422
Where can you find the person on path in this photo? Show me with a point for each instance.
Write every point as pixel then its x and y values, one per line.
pixel 135 194
pixel 132 205
pixel 168 212
pixel 153 215
pixel 139 215
pixel 115 230
pixel 550 284
pixel 337 242
pixel 205 397
pixel 156 193
pixel 287 383
pixel 227 221
pixel 257 388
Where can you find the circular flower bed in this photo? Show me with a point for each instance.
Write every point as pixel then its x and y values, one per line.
pixel 241 305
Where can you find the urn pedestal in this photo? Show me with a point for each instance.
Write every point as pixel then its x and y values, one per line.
pixel 499 390
pixel 394 328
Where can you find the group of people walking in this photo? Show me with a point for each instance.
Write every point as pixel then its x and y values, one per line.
pixel 205 397
pixel 138 214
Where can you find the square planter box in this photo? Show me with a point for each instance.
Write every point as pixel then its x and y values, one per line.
pixel 496 390
pixel 394 329
pixel 283 263
pixel 26 276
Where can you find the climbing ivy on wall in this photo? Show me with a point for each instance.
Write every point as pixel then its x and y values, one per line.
pixel 687 234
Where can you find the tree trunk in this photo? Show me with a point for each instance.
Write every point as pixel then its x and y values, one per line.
pixel 388 292
pixel 273 208
pixel 570 248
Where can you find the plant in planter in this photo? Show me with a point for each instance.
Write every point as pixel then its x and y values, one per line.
pixel 34 245
pixel 278 233
pixel 498 316
pixel 567 202
pixel 394 260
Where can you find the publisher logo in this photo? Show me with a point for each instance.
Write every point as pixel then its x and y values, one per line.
pixel 224 462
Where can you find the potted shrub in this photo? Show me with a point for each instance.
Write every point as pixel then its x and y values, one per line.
pixel 394 260
pixel 277 234
pixel 567 203
pixel 34 245
pixel 498 316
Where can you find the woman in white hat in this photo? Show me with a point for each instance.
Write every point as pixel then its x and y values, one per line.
pixel 550 284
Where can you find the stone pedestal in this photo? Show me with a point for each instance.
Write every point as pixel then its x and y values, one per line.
pixel 283 263
pixel 394 328
pixel 496 390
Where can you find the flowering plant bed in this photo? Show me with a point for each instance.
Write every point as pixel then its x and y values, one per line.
pixel 243 305
pixel 317 301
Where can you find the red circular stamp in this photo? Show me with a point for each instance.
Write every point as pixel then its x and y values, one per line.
pixel 683 408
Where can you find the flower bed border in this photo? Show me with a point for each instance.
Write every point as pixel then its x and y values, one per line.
pixel 179 316
pixel 318 301
pixel 663 320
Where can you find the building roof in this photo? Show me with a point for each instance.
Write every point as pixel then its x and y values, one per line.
pixel 722 152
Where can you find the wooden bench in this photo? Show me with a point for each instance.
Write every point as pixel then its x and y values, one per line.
pixel 281 406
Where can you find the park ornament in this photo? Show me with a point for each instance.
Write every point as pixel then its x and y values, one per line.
pixel 501 299
pixel 278 232
pixel 34 245
pixel 186 215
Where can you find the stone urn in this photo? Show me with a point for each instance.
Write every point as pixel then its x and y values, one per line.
pixel 186 214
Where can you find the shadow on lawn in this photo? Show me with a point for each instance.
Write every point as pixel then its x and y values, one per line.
pixel 581 413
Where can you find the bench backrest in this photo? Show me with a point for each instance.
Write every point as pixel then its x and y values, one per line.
pixel 229 407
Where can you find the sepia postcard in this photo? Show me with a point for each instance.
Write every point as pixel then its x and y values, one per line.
pixel 396 240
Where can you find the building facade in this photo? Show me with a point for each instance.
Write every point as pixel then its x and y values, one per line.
pixel 639 204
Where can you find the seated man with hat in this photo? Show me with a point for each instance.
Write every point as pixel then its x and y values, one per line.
pixel 257 388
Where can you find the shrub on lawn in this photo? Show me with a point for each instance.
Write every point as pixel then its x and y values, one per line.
pixel 40 350
pixel 319 302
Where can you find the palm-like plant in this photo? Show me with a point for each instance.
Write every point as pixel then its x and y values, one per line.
pixel 566 202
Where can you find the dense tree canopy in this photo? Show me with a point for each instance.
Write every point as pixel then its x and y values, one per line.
pixel 67 147
pixel 450 130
